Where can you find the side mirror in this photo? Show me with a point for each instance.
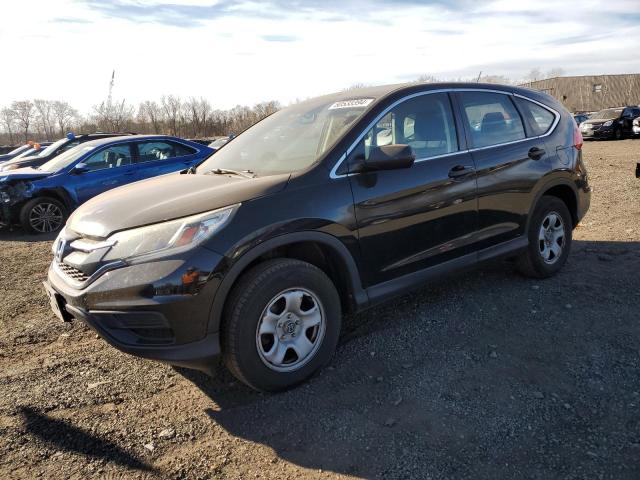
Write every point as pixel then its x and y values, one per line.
pixel 390 157
pixel 80 168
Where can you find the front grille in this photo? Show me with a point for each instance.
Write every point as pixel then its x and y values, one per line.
pixel 73 273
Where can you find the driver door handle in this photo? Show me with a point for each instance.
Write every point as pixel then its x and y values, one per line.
pixel 461 171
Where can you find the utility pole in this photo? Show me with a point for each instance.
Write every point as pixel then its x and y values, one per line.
pixel 113 78
pixel 479 75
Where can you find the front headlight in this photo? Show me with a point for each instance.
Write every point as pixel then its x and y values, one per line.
pixel 168 237
pixel 4 197
pixel 608 123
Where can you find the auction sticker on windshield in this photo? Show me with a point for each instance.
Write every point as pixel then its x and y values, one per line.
pixel 356 102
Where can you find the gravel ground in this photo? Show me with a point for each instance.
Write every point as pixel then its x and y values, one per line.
pixel 482 375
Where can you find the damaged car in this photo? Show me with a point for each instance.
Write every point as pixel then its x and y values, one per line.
pixel 40 199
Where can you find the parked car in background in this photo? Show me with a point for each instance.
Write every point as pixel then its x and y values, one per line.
pixel 611 123
pixel 55 149
pixel 40 199
pixel 330 205
pixel 218 143
pixel 15 152
pixel 35 149
pixel 580 117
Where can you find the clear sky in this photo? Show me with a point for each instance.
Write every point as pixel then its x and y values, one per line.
pixel 243 52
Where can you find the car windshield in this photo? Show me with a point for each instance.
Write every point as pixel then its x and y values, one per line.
pixel 290 139
pixel 66 158
pixel 606 114
pixel 21 148
pixel 26 153
pixel 52 148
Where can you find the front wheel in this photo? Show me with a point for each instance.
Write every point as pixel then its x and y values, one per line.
pixel 617 134
pixel 550 231
pixel 43 215
pixel 281 324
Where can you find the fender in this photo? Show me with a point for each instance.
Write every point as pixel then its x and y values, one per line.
pixel 63 195
pixel 231 275
pixel 541 188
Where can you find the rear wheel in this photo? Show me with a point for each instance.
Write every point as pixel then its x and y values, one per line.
pixel 43 215
pixel 281 324
pixel 549 235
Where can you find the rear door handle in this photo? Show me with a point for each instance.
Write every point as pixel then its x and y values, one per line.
pixel 536 153
pixel 461 171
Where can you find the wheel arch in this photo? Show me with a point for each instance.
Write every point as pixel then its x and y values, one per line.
pixel 58 194
pixel 320 249
pixel 563 189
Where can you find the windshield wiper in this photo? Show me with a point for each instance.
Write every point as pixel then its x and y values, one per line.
pixel 224 171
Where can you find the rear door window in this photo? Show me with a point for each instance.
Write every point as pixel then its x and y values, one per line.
pixel 162 150
pixel 540 119
pixel 492 118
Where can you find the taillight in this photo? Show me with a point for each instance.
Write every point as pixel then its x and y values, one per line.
pixel 577 138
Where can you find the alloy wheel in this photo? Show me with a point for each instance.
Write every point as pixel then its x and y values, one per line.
pixel 290 330
pixel 551 237
pixel 46 217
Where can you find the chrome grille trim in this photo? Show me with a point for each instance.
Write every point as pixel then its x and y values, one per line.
pixel 81 280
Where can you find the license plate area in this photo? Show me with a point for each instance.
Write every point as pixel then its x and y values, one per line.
pixel 57 303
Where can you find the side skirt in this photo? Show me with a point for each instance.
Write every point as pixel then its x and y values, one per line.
pixel 384 291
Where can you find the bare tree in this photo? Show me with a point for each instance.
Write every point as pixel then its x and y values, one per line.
pixel 45 117
pixel 64 115
pixel 192 116
pixel 534 74
pixel 501 79
pixel 24 112
pixel 355 86
pixel 150 113
pixel 114 117
pixel 204 111
pixel 424 78
pixel 555 72
pixel 8 117
pixel 171 108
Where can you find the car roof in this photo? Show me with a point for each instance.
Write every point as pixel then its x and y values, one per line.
pixel 128 138
pixel 382 91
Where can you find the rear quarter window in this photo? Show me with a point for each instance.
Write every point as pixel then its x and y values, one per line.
pixel 539 118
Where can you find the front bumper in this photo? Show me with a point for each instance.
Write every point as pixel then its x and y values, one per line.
pixel 600 132
pixel 155 310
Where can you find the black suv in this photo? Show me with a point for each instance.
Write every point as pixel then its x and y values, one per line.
pixel 611 123
pixel 326 207
pixel 56 149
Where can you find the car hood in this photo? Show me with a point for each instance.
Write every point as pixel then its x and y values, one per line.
pixel 598 121
pixel 165 198
pixel 22 174
pixel 34 161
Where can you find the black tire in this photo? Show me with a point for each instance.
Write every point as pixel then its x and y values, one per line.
pixel 531 262
pixel 54 222
pixel 244 311
pixel 617 134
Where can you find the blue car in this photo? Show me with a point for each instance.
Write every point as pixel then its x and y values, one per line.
pixel 40 199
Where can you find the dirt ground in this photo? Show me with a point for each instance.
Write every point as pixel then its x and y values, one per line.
pixel 482 375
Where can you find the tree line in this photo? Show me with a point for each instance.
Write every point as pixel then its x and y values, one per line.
pixel 48 120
